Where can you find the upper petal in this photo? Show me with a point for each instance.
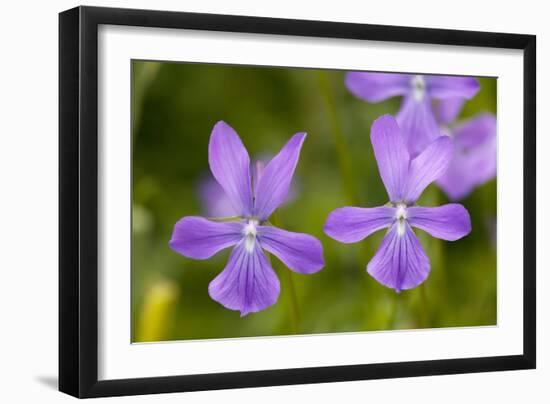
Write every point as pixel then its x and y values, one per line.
pixel 375 87
pixel 199 238
pixel 400 262
pixel 448 222
pixel 230 165
pixel 417 122
pixel 427 167
pixel 391 155
pixel 298 251
pixel 442 87
pixel 350 225
pixel 275 179
pixel 248 283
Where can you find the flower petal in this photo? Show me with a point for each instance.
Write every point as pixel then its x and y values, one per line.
pixel 400 262
pixel 391 155
pixel 483 161
pixel 300 252
pixel 468 169
pixel 443 87
pixel 230 165
pixel 427 167
pixel 375 87
pixel 475 158
pixel 448 222
pixel 274 182
pixel 458 181
pixel 476 131
pixel 417 122
pixel 247 283
pixel 199 238
pixel 446 111
pixel 350 225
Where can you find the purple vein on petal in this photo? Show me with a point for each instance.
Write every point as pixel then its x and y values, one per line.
pixel 300 252
pixel 230 166
pixel 248 283
pixel 199 238
pixel 274 182
pixel 448 222
pixel 351 224
pixel 400 262
pixel 391 155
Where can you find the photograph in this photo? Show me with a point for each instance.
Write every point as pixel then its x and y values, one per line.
pixel 275 201
pixel 245 202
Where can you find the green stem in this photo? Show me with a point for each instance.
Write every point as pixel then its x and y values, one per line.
pixel 424 308
pixel 338 137
pixel 294 306
pixel 394 311
pixel 294 303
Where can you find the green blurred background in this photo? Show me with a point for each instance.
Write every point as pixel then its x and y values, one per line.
pixel 175 106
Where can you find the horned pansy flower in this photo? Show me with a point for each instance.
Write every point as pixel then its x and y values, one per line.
pixel 400 262
pixel 248 283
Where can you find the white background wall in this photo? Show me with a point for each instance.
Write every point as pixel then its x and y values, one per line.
pixel 28 199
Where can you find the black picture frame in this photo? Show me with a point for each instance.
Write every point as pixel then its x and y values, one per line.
pixel 78 201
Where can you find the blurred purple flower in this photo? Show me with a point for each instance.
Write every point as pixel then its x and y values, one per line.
pixel 474 161
pixel 215 201
pixel 400 262
pixel 415 117
pixel 248 283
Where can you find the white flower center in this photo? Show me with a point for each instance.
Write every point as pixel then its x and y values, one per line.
pixel 418 87
pixel 446 130
pixel 250 231
pixel 401 217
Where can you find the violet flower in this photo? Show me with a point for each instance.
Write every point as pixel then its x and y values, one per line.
pixel 474 161
pixel 400 262
pixel 248 282
pixel 415 117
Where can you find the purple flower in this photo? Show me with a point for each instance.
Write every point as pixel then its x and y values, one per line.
pixel 415 117
pixel 474 161
pixel 248 283
pixel 400 262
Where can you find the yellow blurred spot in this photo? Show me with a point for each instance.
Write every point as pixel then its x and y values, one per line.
pixel 142 220
pixel 155 317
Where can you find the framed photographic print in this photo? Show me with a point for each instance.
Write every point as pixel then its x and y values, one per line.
pixel 250 201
